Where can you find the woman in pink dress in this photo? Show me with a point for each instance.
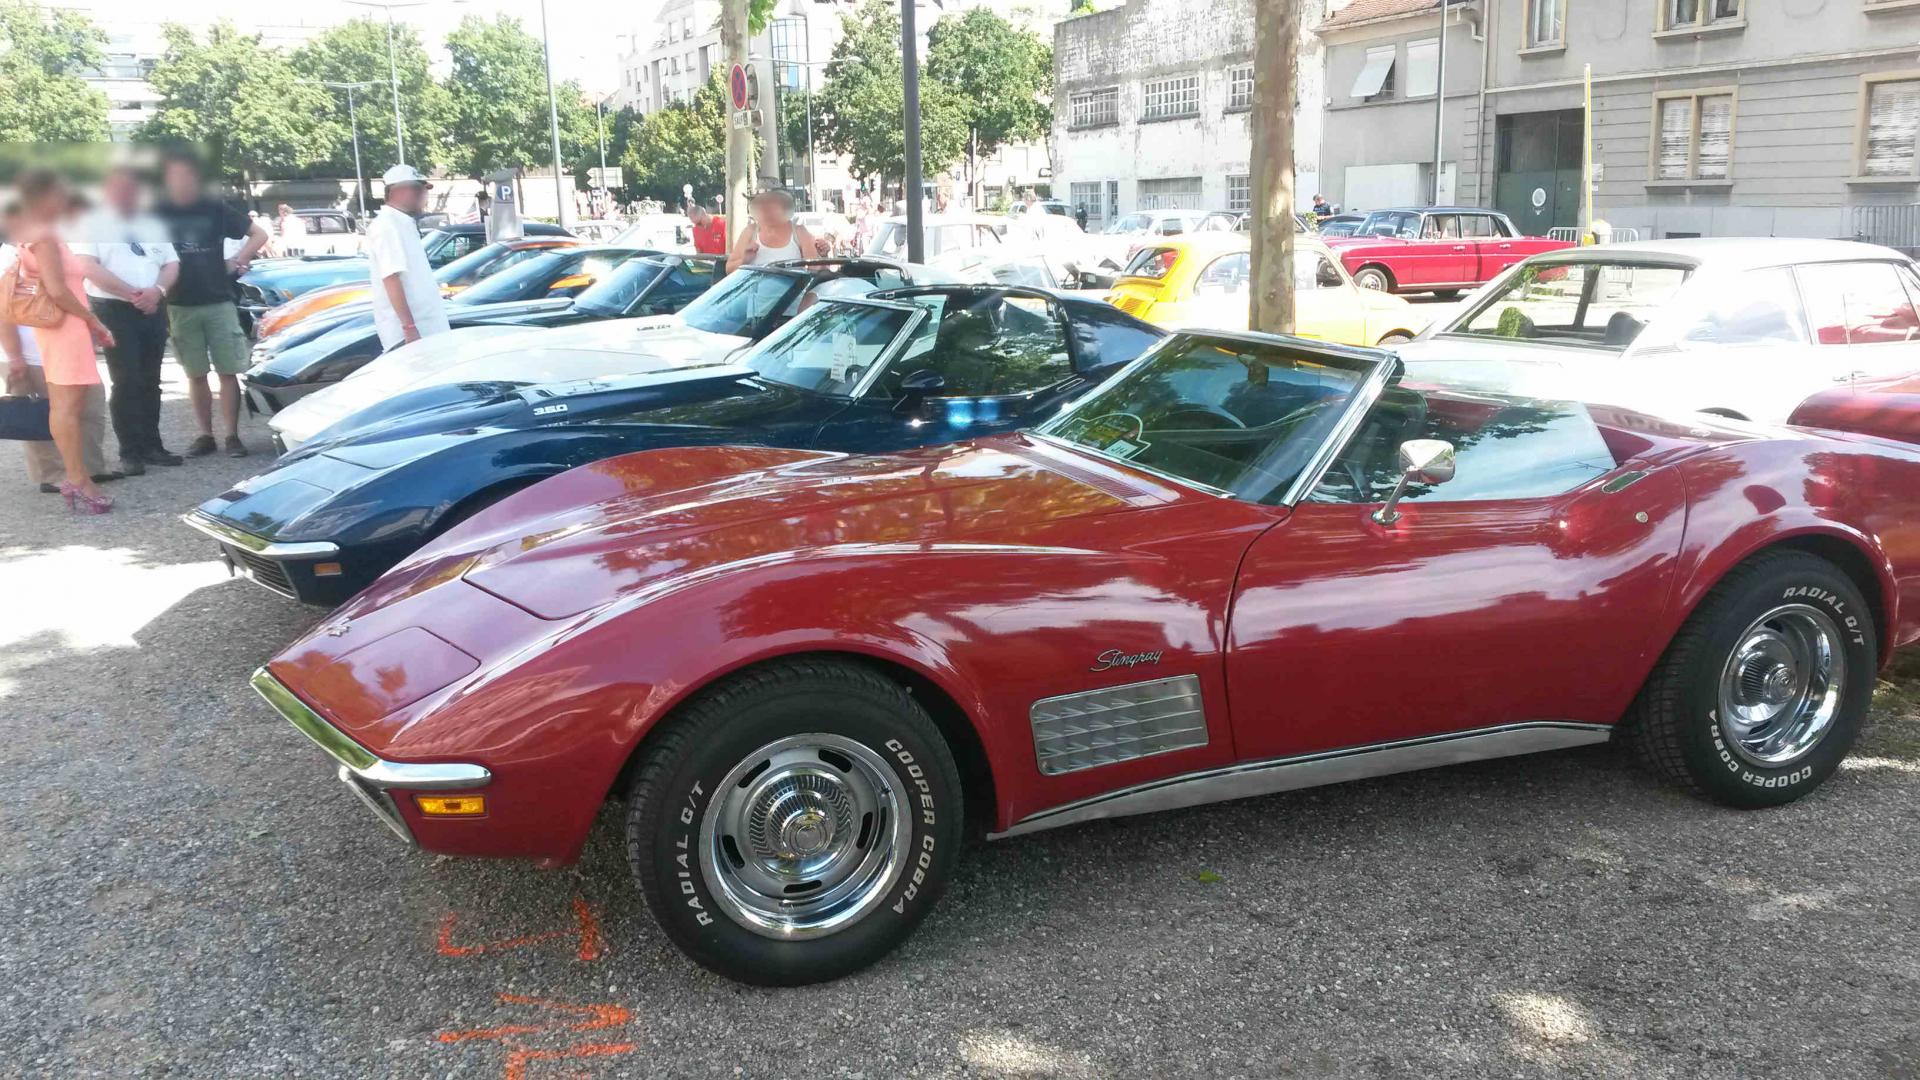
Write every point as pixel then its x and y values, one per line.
pixel 66 349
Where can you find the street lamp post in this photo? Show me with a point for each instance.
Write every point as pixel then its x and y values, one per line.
pixel 553 117
pixel 353 124
pixel 393 66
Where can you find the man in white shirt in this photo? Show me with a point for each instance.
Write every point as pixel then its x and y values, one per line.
pixel 130 265
pixel 407 305
pixel 293 232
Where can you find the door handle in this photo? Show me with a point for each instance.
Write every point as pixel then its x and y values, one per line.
pixel 1850 376
pixel 1459 247
pixel 1506 247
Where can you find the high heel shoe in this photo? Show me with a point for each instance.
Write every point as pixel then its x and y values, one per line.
pixel 80 502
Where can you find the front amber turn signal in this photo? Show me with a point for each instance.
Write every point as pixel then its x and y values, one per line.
pixel 451 805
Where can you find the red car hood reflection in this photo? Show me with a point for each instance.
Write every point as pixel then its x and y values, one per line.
pixel 624 527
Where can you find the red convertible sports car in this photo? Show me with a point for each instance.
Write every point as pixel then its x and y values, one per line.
pixel 1442 249
pixel 1245 564
pixel 1889 408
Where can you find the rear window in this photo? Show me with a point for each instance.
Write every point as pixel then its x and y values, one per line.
pixel 1152 263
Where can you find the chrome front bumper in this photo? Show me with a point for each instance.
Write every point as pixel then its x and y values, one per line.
pixel 257 558
pixel 372 779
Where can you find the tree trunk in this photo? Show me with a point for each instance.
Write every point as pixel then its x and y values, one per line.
pixel 733 50
pixel 1276 33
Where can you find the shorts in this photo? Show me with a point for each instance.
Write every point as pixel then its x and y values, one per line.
pixel 207 337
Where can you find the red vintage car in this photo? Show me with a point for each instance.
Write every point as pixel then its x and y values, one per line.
pixel 1889 408
pixel 1244 565
pixel 1442 249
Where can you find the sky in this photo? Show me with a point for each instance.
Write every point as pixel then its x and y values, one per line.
pixel 587 39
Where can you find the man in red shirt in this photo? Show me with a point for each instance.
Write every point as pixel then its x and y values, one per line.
pixel 709 231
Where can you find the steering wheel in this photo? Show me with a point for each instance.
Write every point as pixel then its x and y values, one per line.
pixel 1209 412
pixel 1139 425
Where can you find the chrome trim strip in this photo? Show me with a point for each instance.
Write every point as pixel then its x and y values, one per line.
pixel 1311 770
pixel 1363 402
pixel 362 763
pixel 259 545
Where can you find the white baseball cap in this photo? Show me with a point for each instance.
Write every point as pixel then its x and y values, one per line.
pixel 403 174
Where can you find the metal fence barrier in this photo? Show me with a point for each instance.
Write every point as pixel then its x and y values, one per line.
pixel 1891 226
pixel 1572 233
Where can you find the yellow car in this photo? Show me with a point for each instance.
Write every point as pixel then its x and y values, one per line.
pixel 1202 280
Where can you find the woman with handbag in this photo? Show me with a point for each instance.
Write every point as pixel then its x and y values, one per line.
pixel 46 291
pixel 24 410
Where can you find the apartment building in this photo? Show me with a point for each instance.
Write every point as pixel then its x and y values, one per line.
pixel 1152 102
pixel 1710 117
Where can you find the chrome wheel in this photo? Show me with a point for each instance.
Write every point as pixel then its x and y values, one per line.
pixel 1371 279
pixel 804 836
pixel 1781 688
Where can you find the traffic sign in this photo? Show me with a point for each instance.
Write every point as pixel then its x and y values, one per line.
pixel 608 176
pixel 737 86
pixel 744 120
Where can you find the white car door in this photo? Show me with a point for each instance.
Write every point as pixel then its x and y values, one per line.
pixel 1745 352
pixel 1866 316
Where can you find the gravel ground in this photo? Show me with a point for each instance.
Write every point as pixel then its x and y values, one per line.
pixel 186 892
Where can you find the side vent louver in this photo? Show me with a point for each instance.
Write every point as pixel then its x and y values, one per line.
pixel 1119 723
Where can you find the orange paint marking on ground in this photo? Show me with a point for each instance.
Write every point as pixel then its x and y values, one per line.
pixel 518 1060
pixel 593 944
pixel 597 1017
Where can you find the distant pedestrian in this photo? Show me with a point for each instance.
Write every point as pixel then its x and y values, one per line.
pixel 201 315
pixel 407 305
pixel 292 232
pixel 129 266
pixel 67 361
pixel 1080 216
pixel 709 230
pixel 1322 208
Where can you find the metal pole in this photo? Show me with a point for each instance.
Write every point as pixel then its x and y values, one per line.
pixel 1586 160
pixel 553 116
pixel 910 78
pixel 393 77
pixel 813 176
pixel 359 178
pixel 1440 108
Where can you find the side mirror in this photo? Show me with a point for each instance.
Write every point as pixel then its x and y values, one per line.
pixel 1328 277
pixel 922 384
pixel 1422 461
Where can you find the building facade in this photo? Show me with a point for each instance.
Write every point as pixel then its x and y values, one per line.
pixel 1710 117
pixel 1152 102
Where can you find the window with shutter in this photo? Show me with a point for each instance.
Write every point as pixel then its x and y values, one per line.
pixel 1676 137
pixel 1693 135
pixel 1893 128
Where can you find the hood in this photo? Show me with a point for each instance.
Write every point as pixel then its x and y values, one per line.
pixel 507 353
pixel 685 404
pixel 632 526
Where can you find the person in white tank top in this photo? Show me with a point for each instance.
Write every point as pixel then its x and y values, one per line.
pixel 772 236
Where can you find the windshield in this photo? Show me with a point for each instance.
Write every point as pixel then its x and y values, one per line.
pixel 1397 223
pixel 538 276
pixel 1241 417
pixel 463 270
pixel 743 301
pixel 1152 263
pixel 611 295
pixel 1602 305
pixel 1132 223
pixel 891 241
pixel 830 349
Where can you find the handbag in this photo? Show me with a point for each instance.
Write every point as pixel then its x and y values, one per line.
pixel 24 418
pixel 23 304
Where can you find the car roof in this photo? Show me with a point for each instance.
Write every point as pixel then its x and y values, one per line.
pixel 1732 252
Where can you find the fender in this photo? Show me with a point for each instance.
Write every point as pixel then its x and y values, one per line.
pixel 1777 513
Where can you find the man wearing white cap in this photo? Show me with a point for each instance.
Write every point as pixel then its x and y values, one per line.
pixel 406 299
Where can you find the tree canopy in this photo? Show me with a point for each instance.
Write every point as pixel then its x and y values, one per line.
pixel 240 102
pixel 999 73
pixel 498 97
pixel 42 53
pixel 859 107
pixel 683 143
pixel 356 51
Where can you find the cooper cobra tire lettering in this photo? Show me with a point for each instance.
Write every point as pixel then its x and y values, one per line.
pixel 1675 723
pixel 701 745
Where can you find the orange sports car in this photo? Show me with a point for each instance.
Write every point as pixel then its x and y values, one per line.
pixel 456 275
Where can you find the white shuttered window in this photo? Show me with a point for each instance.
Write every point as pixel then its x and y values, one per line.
pixel 1893 128
pixel 1693 137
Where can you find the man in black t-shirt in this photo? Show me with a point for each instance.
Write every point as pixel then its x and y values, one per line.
pixel 201 315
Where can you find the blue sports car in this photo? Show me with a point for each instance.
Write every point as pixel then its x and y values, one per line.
pixel 904 367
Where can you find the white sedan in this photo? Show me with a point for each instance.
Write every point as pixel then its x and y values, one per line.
pixel 1743 328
